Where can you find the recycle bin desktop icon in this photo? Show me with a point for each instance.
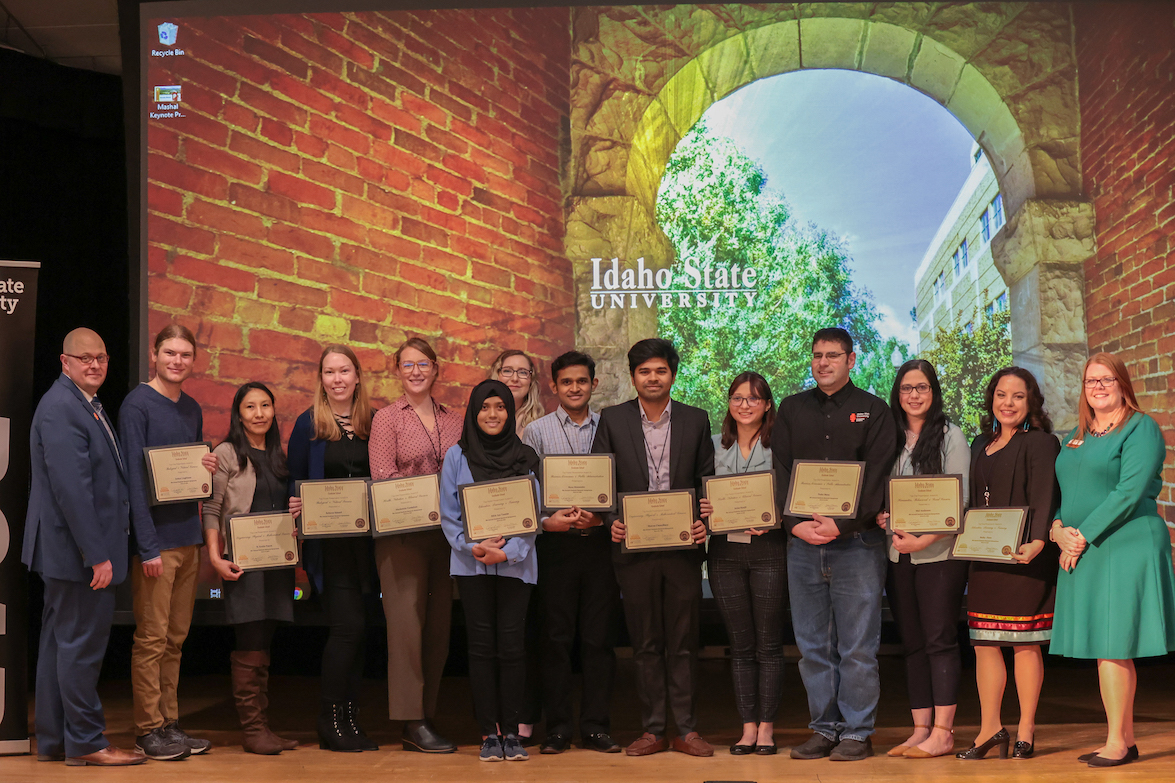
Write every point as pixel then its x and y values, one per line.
pixel 167 32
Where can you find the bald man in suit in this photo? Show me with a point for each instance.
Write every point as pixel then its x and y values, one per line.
pixel 76 538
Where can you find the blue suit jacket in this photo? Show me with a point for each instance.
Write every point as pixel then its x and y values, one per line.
pixel 79 510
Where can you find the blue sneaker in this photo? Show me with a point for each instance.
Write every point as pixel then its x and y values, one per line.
pixel 513 750
pixel 491 749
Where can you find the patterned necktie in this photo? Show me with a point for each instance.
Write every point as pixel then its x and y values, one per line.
pixel 97 406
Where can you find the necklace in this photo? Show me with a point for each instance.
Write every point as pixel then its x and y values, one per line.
pixel 1100 433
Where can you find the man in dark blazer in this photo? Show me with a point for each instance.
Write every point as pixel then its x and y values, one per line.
pixel 660 445
pixel 76 538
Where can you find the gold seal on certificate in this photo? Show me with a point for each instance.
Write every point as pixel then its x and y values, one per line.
pixel 176 474
pixel 926 504
pixel 333 508
pixel 742 501
pixel 990 535
pixel 829 488
pixel 658 520
pixel 582 480
pixel 405 505
pixel 502 507
pixel 257 542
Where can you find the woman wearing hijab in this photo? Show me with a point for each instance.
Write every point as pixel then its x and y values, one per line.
pixel 494 577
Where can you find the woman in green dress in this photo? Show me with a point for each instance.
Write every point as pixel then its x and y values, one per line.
pixel 1116 589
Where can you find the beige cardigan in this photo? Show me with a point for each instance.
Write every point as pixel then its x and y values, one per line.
pixel 232 491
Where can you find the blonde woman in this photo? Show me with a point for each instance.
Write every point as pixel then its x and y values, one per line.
pixel 517 370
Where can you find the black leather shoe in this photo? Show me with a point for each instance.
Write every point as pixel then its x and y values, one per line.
pixel 351 726
pixel 555 743
pixel 817 747
pixel 1023 750
pixel 1000 739
pixel 600 741
pixel 1102 761
pixel 420 736
pixel 1085 757
pixel 742 750
pixel 766 750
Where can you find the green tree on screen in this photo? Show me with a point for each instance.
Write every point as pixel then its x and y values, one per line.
pixel 965 362
pixel 714 207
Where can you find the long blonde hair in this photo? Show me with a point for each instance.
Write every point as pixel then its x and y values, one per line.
pixel 325 426
pixel 531 409
pixel 1085 415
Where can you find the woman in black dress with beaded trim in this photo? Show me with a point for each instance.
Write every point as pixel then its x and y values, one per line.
pixel 1011 605
pixel 329 441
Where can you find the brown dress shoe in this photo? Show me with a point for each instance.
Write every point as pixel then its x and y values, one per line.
pixel 646 745
pixel 109 756
pixel 692 744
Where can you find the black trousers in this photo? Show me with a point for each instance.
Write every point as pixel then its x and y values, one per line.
pixel 346 579
pixel 495 626
pixel 578 590
pixel 662 594
pixel 926 600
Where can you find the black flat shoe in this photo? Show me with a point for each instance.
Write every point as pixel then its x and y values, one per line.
pixel 600 741
pixel 1023 750
pixel 766 750
pixel 1001 739
pixel 742 750
pixel 555 743
pixel 1102 761
pixel 420 737
pixel 1085 757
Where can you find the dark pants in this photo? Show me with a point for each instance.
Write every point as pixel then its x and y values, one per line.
pixel 662 597
pixel 343 598
pixel 579 593
pixel 926 600
pixel 495 626
pixel 751 591
pixel 75 627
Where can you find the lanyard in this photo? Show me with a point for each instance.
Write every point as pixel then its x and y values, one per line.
pixel 566 437
pixel 664 448
pixel 436 423
pixel 738 451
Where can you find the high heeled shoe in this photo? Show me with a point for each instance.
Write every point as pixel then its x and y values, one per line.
pixel 1000 739
pixel 916 752
pixel 1024 750
pixel 900 750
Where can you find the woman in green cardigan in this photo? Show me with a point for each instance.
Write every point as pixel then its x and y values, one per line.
pixel 1116 589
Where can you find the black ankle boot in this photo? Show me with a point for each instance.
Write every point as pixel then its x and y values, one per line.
pixel 350 725
pixel 333 733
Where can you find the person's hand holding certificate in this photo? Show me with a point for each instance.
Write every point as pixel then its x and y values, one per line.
pixel 258 542
pixel 830 489
pixel 652 521
pixel 177 474
pixel 925 504
pixel 991 535
pixel 741 501
pixel 333 508
pixel 499 509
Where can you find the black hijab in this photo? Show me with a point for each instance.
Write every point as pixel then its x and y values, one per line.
pixel 494 456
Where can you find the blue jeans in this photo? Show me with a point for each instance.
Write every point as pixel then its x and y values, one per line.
pixel 836 614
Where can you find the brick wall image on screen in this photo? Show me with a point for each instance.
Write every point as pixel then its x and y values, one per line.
pixel 360 178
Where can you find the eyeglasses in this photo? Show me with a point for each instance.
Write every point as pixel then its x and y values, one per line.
pixel 907 389
pixel 510 372
pixel 1100 383
pixel 750 402
pixel 85 358
pixel 832 356
pixel 424 366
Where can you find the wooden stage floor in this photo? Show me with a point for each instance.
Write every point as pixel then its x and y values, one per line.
pixel 1070 722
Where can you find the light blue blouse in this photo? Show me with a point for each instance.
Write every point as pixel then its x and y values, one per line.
pixel 728 461
pixel 956 459
pixel 521 562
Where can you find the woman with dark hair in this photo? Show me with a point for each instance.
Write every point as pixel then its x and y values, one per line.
pixel 1011 605
pixel 329 441
pixel 495 577
pixel 1116 592
pixel 747 572
pixel 925 589
pixel 410 438
pixel 251 477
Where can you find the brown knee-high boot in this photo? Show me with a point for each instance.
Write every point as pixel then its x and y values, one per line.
pixel 263 698
pixel 247 692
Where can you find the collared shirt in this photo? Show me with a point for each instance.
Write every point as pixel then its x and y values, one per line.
pixel 557 433
pixel 656 435
pixel 849 425
pixel 103 419
pixel 400 445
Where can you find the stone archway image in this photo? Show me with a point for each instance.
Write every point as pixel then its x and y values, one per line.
pixel 643 76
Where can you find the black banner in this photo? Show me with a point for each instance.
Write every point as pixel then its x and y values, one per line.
pixel 18 311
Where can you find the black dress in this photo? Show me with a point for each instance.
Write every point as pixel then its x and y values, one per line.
pixel 1012 604
pixel 262 595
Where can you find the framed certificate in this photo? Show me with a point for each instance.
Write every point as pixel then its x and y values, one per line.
pixel 656 521
pixel 333 508
pixel 926 504
pixel 990 535
pixel 405 505
pixel 832 489
pixel 586 481
pixel 259 542
pixel 175 473
pixel 742 501
pixel 502 507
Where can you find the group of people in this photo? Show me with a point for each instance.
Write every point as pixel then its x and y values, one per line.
pixel 1093 578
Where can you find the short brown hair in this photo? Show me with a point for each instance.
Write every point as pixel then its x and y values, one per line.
pixel 174 332
pixel 419 344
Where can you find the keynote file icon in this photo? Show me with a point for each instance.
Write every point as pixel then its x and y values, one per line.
pixel 167 32
pixel 168 94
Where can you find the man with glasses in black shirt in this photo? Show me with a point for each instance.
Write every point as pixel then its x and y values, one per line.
pixel 836 568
